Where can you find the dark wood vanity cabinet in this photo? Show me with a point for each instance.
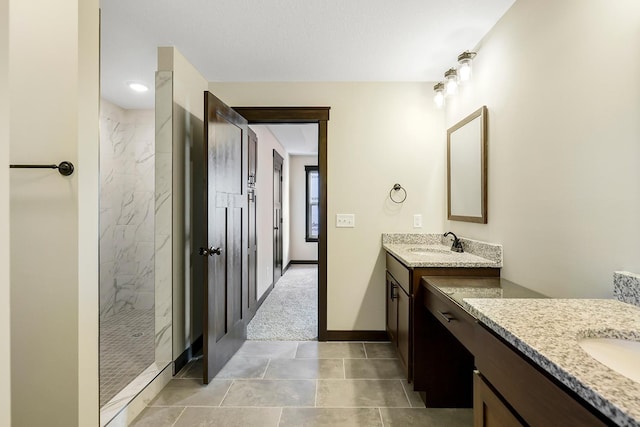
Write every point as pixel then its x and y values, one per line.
pixel 402 287
pixel 443 364
pixel 489 409
pixel 530 394
pixel 392 309
pixel 398 318
pixel 460 363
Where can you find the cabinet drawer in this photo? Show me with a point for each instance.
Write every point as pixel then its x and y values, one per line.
pixel 489 410
pixel 536 398
pixel 454 318
pixel 400 273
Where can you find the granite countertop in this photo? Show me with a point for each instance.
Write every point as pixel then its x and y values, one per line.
pixel 548 330
pixel 460 288
pixel 433 250
pixel 442 256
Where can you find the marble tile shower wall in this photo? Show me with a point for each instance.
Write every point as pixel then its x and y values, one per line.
pixel 127 205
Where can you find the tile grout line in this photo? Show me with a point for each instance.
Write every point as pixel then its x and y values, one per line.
pixel 265 369
pixel 405 393
pixel 176 421
pixel 366 356
pixel 380 414
pixel 226 393
pixel 280 417
pixel 344 370
pixel 315 401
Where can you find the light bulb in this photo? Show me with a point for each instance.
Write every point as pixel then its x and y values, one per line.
pixel 451 76
pixel 452 87
pixel 465 71
pixel 438 98
pixel 465 59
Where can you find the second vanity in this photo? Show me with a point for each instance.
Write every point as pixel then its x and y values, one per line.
pixel 516 357
pixel 411 256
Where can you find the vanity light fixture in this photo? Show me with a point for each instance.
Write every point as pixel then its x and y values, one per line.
pixel 438 98
pixel 451 78
pixel 465 59
pixel 138 87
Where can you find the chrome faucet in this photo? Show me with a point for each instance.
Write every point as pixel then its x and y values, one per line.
pixel 457 244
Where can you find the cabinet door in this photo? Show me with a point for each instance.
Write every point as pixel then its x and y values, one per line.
pixel 392 310
pixel 403 326
pixel 488 408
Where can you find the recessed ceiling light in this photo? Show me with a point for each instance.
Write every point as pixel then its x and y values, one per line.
pixel 138 87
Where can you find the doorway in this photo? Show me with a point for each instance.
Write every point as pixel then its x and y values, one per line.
pixel 319 115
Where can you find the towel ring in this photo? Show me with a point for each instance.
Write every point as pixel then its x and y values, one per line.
pixel 397 187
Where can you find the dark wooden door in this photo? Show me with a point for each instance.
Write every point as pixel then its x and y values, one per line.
pixel 252 249
pixel 277 216
pixel 224 328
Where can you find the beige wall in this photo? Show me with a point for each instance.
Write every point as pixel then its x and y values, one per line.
pixel 378 134
pixel 54 219
pixel 88 149
pixel 300 249
pixel 561 82
pixel 5 331
pixel 188 114
pixel 264 205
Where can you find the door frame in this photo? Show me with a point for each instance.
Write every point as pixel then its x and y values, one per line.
pixel 278 238
pixel 320 116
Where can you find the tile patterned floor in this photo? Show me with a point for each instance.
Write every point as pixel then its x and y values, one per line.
pixel 126 349
pixel 287 384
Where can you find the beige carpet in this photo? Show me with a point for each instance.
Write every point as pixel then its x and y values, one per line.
pixel 290 312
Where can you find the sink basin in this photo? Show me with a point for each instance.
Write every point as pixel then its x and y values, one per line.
pixel 618 354
pixel 429 251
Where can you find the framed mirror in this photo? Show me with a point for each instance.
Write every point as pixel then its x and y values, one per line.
pixel 467 169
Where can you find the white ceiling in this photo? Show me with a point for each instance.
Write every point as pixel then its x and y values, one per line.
pixel 297 139
pixel 289 40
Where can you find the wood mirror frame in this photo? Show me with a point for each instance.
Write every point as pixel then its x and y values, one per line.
pixel 467 169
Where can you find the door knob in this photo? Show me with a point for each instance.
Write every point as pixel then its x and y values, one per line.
pixel 210 252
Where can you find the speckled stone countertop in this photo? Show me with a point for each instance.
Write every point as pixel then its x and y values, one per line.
pixel 626 287
pixel 548 330
pixel 434 250
pixel 459 289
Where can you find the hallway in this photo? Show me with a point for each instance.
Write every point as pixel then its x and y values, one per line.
pixel 290 312
pixel 288 383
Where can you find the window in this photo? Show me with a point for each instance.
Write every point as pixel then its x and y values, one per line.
pixel 313 203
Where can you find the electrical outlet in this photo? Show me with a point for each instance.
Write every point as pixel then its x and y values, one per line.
pixel 345 220
pixel 417 221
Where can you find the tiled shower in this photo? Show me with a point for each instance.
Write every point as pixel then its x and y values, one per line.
pixel 127 207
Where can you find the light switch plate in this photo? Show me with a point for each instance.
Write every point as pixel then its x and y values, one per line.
pixel 345 220
pixel 417 221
